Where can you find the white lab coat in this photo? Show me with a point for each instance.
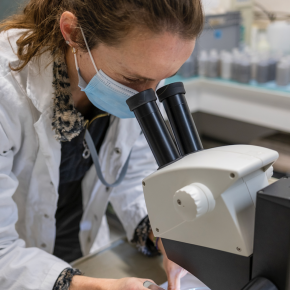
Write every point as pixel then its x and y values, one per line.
pixel 29 175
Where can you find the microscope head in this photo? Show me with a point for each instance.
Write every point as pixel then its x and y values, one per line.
pixel 208 198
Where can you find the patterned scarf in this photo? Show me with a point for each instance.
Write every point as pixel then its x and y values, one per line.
pixel 67 121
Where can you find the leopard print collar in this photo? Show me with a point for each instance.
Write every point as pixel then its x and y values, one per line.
pixel 66 121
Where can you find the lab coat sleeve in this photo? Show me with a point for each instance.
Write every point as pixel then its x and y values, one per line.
pixel 128 198
pixel 20 267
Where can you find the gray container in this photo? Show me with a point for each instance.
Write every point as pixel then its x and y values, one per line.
pixel 236 64
pixel 235 70
pixel 263 72
pixel 244 71
pixel 213 64
pixel 272 69
pixel 203 64
pixel 283 74
pixel 254 64
pixel 226 65
pixel 221 32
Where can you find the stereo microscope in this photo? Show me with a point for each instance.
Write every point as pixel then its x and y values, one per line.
pixel 214 209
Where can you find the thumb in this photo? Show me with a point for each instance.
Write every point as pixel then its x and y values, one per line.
pixel 174 282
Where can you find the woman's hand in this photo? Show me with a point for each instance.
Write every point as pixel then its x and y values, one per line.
pixel 173 271
pixel 87 283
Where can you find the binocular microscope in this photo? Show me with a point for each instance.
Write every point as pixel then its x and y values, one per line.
pixel 214 209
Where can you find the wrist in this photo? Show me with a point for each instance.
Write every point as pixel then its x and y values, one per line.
pixel 156 241
pixel 88 283
pixel 161 247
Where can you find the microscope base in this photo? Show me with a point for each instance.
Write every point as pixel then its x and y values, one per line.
pixel 272 234
pixel 217 269
pixel 260 284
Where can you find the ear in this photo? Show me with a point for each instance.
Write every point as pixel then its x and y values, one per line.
pixel 68 24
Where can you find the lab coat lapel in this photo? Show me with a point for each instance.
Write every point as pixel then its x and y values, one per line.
pixel 50 148
pixel 122 135
pixel 41 92
pixel 128 131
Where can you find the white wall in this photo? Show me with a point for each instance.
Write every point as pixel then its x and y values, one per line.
pixel 272 5
pixel 276 5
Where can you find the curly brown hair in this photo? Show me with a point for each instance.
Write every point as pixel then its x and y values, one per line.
pixel 103 21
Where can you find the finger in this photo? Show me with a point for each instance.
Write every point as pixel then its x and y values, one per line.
pixel 152 286
pixel 155 287
pixel 146 283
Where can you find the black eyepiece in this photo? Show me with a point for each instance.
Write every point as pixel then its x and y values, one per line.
pixel 170 90
pixel 153 127
pixel 173 98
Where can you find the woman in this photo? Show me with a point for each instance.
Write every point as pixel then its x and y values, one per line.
pixel 67 66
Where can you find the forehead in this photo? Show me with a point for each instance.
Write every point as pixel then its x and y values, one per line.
pixel 155 56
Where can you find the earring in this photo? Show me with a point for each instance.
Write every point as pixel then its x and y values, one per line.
pixel 67 42
pixel 74 51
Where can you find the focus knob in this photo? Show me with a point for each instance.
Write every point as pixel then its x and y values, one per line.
pixel 193 201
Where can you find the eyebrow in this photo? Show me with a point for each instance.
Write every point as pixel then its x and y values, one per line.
pixel 147 79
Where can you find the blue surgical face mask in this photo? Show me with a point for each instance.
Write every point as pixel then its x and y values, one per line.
pixel 105 93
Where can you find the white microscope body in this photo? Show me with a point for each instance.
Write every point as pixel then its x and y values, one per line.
pixel 208 198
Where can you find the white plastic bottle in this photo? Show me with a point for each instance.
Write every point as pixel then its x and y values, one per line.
pixel 263 70
pixel 213 64
pixel 278 33
pixel 263 44
pixel 244 71
pixel 254 64
pixel 203 64
pixel 188 68
pixel 235 64
pixel 273 61
pixel 226 65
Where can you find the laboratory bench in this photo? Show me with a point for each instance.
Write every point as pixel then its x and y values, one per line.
pixel 120 259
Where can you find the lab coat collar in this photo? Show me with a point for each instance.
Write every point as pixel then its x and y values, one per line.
pixel 39 82
pixel 41 93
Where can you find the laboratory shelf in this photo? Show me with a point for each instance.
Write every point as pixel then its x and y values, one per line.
pixel 263 105
pixel 267 86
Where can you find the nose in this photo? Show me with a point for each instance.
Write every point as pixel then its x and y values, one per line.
pixel 145 86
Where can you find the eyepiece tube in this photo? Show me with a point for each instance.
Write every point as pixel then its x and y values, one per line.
pixel 173 98
pixel 153 127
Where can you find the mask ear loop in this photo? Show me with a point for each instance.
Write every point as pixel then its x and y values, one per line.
pixel 75 56
pixel 89 50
